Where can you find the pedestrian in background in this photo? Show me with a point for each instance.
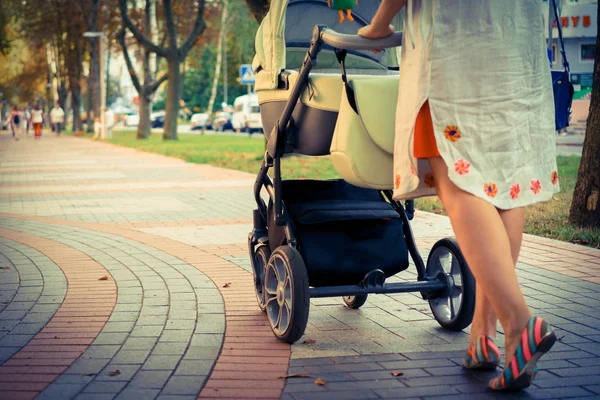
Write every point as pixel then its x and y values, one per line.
pixel 25 120
pixel 15 122
pixel 37 118
pixel 57 118
pixel 109 120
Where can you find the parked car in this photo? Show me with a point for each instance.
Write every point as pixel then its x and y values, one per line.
pixel 157 119
pixel 221 121
pixel 199 121
pixel 246 114
pixel 132 120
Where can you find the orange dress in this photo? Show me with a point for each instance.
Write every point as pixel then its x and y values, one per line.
pixel 425 145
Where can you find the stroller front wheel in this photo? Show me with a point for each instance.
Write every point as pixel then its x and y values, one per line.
pixel 454 308
pixel 287 298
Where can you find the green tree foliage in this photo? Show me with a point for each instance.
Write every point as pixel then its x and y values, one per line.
pixel 200 66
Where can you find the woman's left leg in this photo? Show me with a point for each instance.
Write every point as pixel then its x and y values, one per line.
pixel 485 321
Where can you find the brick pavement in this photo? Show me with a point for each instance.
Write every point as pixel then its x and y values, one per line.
pixel 177 316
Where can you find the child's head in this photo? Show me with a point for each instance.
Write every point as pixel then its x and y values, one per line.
pixel 97 119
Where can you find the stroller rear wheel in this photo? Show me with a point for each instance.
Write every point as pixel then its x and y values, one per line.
pixel 454 307
pixel 355 302
pixel 261 258
pixel 286 294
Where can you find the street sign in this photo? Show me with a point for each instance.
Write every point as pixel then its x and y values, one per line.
pixel 246 74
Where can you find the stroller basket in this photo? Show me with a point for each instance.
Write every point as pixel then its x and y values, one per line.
pixel 343 231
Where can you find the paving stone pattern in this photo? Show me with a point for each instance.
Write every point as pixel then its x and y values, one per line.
pixel 177 318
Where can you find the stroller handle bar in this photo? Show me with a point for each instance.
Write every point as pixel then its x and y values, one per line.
pixel 354 42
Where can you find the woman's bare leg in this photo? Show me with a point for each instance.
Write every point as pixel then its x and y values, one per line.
pixel 485 321
pixel 483 239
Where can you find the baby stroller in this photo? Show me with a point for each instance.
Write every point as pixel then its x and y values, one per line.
pixel 336 237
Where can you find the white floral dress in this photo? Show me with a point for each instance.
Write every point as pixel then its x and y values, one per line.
pixel 483 67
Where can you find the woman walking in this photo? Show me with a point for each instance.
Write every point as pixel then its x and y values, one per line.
pixel 475 125
pixel 37 118
pixel 15 122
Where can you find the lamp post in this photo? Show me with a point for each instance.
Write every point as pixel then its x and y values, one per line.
pixel 101 48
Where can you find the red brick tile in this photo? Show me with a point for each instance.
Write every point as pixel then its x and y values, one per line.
pixel 28 378
pixel 31 370
pixel 245 383
pixel 255 353
pixel 43 355
pixel 226 366
pixel 242 393
pixel 61 342
pixel 250 375
pixel 39 362
pixel 13 395
pixel 55 349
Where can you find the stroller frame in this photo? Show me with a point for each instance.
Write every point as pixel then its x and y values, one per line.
pixel 432 282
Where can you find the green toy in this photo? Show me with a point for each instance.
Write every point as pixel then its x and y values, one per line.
pixel 343 5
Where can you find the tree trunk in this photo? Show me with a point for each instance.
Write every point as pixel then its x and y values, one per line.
pixel 173 96
pixel 76 104
pixel 215 85
pixel 95 76
pixel 585 208
pixel 90 106
pixel 144 127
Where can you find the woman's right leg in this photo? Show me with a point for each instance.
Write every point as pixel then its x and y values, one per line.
pixel 484 241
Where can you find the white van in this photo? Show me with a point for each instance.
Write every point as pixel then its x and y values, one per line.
pixel 246 114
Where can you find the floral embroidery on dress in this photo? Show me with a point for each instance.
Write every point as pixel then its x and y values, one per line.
pixel 490 189
pixel 397 181
pixel 554 177
pixel 536 186
pixel 429 180
pixel 515 191
pixel 452 133
pixel 462 167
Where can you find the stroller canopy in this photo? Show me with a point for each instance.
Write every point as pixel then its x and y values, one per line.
pixel 289 25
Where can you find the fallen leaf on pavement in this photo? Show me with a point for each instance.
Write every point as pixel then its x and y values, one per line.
pixel 309 341
pixel 104 278
pixel 4 267
pixel 115 372
pixel 397 373
pixel 227 284
pixel 320 381
pixel 293 376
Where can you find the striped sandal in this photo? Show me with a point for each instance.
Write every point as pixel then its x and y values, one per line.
pixel 482 355
pixel 537 338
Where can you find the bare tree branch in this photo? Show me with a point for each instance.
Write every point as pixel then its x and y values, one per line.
pixel 168 10
pixel 138 35
pixel 199 27
pixel 130 68
pixel 152 87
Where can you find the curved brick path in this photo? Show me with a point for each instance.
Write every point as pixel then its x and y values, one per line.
pixel 170 236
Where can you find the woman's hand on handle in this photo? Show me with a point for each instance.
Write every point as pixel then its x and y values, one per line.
pixel 380 27
pixel 375 32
